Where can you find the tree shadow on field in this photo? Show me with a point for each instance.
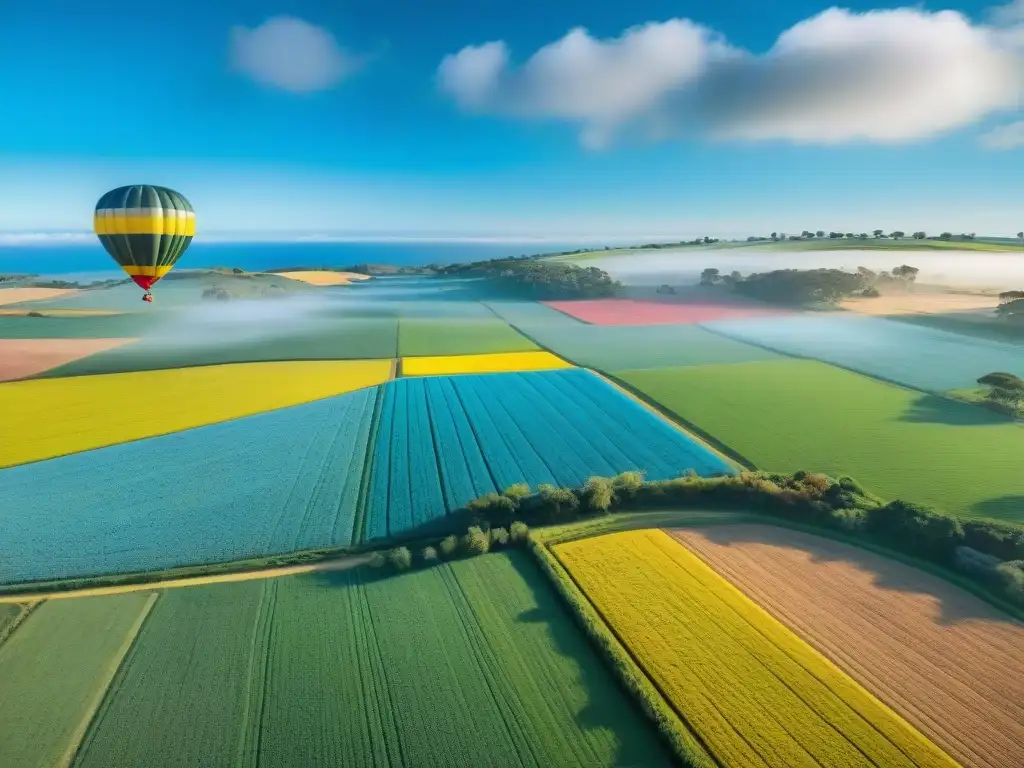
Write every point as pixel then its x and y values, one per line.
pixel 954 603
pixel 932 409
pixel 1008 508
pixel 609 706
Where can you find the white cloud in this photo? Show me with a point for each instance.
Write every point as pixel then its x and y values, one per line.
pixel 290 54
pixel 884 76
pixel 1005 136
pixel 1011 13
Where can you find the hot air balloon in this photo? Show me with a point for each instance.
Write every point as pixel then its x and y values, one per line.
pixel 145 229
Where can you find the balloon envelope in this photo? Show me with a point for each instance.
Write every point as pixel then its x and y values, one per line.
pixel 145 229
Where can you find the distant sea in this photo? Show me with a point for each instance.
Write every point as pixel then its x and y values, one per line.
pixel 92 262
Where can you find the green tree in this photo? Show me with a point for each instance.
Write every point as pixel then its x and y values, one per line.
pixel 897 234
pixel 519 532
pixel 400 558
pixel 905 272
pixel 429 555
pixel 878 233
pixel 1003 387
pixel 476 541
pixel 710 276
pixel 820 233
pixel 920 235
pixel 946 236
pixel 448 546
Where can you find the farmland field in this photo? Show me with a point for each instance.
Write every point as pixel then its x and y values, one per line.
pixel 436 337
pixel 623 348
pixel 266 484
pixel 498 362
pixel 528 314
pixel 97 411
pixel 444 441
pixel 920 303
pixel 893 628
pixel 639 312
pixel 21 358
pixel 55 668
pixel 128 325
pixel 203 341
pixel 800 415
pixel 472 662
pixel 16 295
pixel 752 691
pixel 913 355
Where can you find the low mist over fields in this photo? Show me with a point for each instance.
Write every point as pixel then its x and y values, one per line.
pixel 1002 271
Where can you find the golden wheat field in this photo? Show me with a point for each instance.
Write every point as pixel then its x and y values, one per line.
pixel 754 693
pixel 324 277
pixel 490 363
pixel 920 303
pixel 948 662
pixel 21 358
pixel 114 408
pixel 17 295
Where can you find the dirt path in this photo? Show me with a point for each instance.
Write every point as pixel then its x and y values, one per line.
pixel 945 660
pixel 340 564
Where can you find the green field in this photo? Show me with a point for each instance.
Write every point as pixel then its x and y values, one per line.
pixel 801 415
pixel 86 327
pixel 430 336
pixel 55 668
pixel 471 663
pixel 325 339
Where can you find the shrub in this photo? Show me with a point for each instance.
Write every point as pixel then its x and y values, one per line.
pixel 914 528
pixel 557 503
pixel 1004 540
pixel 429 555
pixel 499 537
pixel 517 492
pixel 626 484
pixel 400 558
pixel 476 542
pixel 377 560
pixel 449 546
pixel 519 532
pixel 599 494
pixel 973 562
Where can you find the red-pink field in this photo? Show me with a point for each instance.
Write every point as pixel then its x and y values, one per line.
pixel 634 312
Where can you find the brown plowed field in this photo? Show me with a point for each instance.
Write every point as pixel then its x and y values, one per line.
pixel 948 662
pixel 21 358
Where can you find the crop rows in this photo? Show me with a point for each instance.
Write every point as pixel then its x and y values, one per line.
pixel 444 441
pixel 752 691
pixel 887 625
pixel 437 667
pixel 795 415
pixel 266 484
pixel 97 411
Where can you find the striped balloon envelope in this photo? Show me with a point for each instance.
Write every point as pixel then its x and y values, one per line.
pixel 145 229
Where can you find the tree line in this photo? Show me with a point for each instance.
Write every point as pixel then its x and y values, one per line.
pixel 534 279
pixel 810 286
pixel 878 234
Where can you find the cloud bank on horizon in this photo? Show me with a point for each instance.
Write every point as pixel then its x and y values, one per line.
pixel 882 76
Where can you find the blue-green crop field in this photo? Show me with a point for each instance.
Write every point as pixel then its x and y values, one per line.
pixel 912 355
pixel 272 483
pixel 444 441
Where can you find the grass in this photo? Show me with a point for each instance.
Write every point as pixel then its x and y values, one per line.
pixel 802 415
pixel 913 355
pixel 494 363
pixel 444 441
pixel 189 342
pixel 268 484
pixel 622 348
pixel 435 336
pixel 753 692
pixel 55 668
pixel 468 663
pixel 97 411
pixel 83 327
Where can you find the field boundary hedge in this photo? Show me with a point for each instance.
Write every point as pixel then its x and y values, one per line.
pixel 670 724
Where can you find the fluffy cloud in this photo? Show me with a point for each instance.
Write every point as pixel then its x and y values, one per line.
pixel 1005 136
pixel 884 76
pixel 290 54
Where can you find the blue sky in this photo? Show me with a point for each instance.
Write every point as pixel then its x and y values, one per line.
pixel 344 120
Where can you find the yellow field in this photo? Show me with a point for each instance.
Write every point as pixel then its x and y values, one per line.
pixel 16 295
pixel 754 693
pixel 492 363
pixel 52 417
pixel 324 277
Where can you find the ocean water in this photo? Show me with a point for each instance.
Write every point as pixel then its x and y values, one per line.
pixel 91 262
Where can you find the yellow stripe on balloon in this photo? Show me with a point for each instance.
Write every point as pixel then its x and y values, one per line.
pixel 135 270
pixel 144 225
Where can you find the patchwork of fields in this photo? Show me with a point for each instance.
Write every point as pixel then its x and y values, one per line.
pixel 941 657
pixel 267 484
pixel 475 658
pixel 443 442
pixel 753 692
pixel 794 415
pixel 96 411
pixel 913 355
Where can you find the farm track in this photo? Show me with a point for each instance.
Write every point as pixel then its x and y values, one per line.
pixel 342 564
pixel 947 662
